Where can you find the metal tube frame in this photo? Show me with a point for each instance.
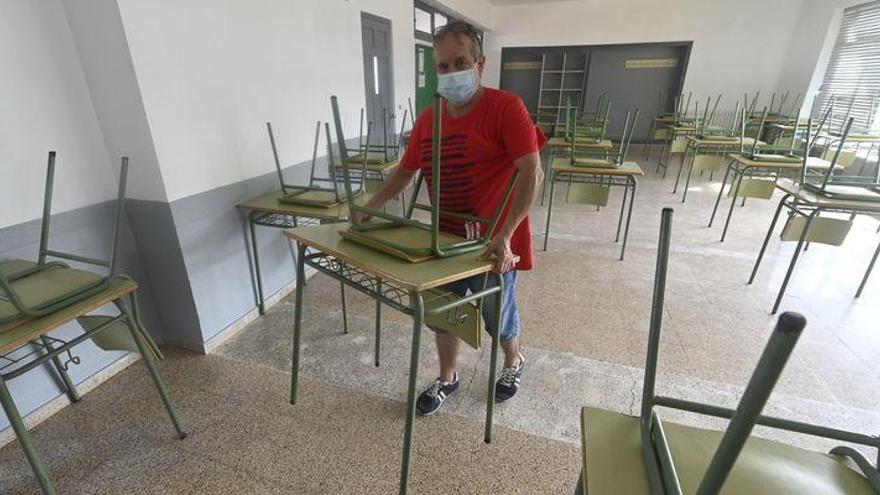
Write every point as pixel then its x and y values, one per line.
pixel 144 344
pixel 629 184
pixel 436 248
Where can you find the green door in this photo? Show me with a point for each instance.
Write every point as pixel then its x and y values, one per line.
pixel 426 77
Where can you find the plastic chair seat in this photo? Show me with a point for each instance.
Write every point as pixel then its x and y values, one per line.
pixel 19 332
pixel 613 462
pixel 41 287
pixel 324 199
pixel 402 241
pixel 595 162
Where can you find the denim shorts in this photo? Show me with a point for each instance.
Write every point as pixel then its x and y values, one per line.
pixel 510 323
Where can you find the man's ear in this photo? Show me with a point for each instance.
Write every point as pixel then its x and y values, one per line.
pixel 481 64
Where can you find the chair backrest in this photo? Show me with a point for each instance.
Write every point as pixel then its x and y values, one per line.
pixel 629 128
pixel 660 466
pixel 7 283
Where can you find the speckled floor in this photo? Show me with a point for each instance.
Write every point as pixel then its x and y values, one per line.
pixel 585 319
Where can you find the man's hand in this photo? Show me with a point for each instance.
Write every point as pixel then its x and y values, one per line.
pixel 499 248
pixel 359 216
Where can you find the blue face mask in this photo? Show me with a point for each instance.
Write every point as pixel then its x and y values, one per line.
pixel 458 87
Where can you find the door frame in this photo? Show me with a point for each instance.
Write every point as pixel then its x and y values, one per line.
pixel 392 112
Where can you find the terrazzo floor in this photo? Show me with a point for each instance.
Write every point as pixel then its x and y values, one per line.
pixel 585 326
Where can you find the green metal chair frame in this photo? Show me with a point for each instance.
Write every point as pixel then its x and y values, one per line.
pixel 367 150
pixel 660 466
pixel 577 131
pixel 315 194
pixel 588 158
pixel 50 348
pixel 372 230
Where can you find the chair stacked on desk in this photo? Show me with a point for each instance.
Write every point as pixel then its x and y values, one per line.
pixel 39 296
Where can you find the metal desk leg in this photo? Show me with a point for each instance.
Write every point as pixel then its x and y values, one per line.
pixel 767 237
pixel 730 165
pixel 742 176
pixel 721 191
pixel 629 214
pixel 868 272
pixel 297 320
pixel 344 309
pixel 794 258
pixel 546 167
pixel 261 303
pixel 24 439
pixel 378 322
pixel 549 207
pixel 622 208
pixel 680 168
pixel 65 377
pixel 493 360
pixel 418 315
pixel 687 183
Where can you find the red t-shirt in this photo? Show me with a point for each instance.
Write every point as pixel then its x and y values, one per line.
pixel 477 162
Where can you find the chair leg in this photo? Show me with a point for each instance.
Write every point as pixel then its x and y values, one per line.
pixel 136 313
pixel 24 438
pixel 151 367
pixel 65 377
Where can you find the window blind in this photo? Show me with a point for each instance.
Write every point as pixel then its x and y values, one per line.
pixel 852 78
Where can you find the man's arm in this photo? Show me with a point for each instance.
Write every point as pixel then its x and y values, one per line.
pixel 399 180
pixel 523 196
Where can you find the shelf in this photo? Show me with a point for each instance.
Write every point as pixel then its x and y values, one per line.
pixel 563 72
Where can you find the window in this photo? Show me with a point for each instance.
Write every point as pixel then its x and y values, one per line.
pixel 852 78
pixel 423 21
pixel 428 19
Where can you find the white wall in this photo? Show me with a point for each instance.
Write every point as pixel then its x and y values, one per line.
pixel 737 46
pixel 213 72
pixel 45 105
pixel 812 43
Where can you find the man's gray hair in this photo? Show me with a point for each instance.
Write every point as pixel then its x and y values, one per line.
pixel 461 28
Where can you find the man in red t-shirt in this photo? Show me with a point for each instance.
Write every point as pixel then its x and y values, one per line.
pixel 487 136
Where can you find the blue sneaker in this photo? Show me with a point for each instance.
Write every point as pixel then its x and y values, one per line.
pixel 432 398
pixel 508 384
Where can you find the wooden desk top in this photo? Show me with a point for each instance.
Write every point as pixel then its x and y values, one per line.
pixel 812 162
pixel 813 199
pixel 558 142
pixel 406 275
pixel 354 165
pixel 852 138
pixel 562 164
pixel 708 141
pixel 268 203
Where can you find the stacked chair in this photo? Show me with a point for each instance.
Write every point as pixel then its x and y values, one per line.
pixel 39 296
pixel 644 455
pixel 404 236
pixel 317 192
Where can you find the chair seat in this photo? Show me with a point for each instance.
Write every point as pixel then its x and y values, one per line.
pixel 613 463
pixel 43 286
pixel 19 332
pixel 321 199
pixel 403 241
pixel 594 162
